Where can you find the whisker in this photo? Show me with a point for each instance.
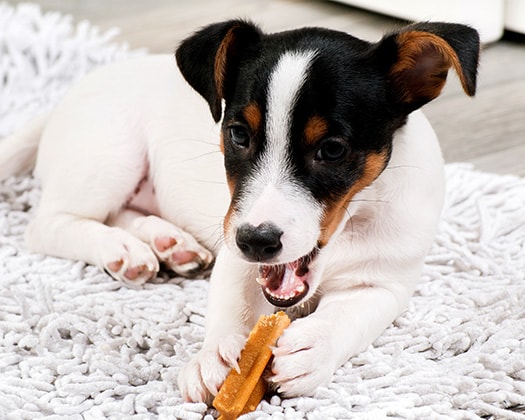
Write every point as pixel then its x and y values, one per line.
pixel 207 181
pixel 220 243
pixel 195 140
pixel 216 228
pixel 351 220
pixel 403 167
pixel 364 200
pixel 200 156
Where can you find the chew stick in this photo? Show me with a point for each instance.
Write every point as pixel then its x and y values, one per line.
pixel 255 397
pixel 242 391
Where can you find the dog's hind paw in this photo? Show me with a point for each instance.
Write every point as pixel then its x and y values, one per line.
pixel 130 275
pixel 180 252
pixel 130 261
pixel 201 378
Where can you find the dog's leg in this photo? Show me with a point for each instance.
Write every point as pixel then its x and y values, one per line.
pixel 65 235
pixel 234 304
pixel 172 245
pixel 344 324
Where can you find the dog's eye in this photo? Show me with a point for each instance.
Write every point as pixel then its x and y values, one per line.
pixel 331 149
pixel 239 136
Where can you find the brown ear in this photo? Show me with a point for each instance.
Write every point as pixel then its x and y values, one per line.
pixel 423 55
pixel 209 59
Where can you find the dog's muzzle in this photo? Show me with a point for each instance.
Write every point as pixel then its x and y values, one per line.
pixel 284 284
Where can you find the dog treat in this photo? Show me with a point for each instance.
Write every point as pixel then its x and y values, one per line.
pixel 242 391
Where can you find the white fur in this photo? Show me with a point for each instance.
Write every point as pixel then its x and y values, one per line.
pixel 124 122
pixel 286 81
pixel 139 118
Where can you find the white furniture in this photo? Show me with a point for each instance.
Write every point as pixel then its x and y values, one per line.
pixel 515 15
pixel 489 17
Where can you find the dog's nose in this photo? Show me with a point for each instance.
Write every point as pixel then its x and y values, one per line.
pixel 259 243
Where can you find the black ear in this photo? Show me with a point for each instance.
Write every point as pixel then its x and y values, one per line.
pixel 417 59
pixel 209 59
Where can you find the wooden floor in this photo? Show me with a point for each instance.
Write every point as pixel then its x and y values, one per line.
pixel 488 131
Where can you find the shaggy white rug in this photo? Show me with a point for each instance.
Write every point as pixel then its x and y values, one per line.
pixel 74 344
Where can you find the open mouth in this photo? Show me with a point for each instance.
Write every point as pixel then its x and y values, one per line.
pixel 284 285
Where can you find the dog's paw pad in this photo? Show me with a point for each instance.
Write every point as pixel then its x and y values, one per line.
pixel 162 244
pixel 115 266
pixel 183 254
pixel 135 275
pixel 185 257
pixel 130 261
pixel 139 272
pixel 189 263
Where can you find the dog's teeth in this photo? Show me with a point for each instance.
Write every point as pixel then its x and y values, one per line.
pixel 261 280
pixel 283 296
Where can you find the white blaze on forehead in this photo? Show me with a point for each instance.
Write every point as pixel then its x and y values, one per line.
pixel 285 85
pixel 271 194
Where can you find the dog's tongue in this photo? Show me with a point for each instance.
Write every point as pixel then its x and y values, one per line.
pixel 281 280
pixel 283 285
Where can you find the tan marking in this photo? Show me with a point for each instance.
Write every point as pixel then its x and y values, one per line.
pixel 221 142
pixel 221 59
pixel 374 165
pixel 252 115
pixel 315 129
pixel 231 186
pixel 227 217
pixel 231 182
pixel 421 70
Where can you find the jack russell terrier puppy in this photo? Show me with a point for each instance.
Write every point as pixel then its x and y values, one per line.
pixel 325 199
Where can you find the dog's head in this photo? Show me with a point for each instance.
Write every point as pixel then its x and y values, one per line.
pixel 309 119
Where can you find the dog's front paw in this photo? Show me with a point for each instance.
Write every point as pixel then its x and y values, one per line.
pixel 201 378
pixel 303 358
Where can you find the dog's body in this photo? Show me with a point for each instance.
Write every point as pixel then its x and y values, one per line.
pixel 335 182
pixel 115 133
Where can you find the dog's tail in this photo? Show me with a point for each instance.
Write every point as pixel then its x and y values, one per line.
pixel 18 151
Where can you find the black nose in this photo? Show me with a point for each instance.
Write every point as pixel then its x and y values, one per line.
pixel 259 243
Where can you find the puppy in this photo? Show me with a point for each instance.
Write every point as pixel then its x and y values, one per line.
pixel 329 186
